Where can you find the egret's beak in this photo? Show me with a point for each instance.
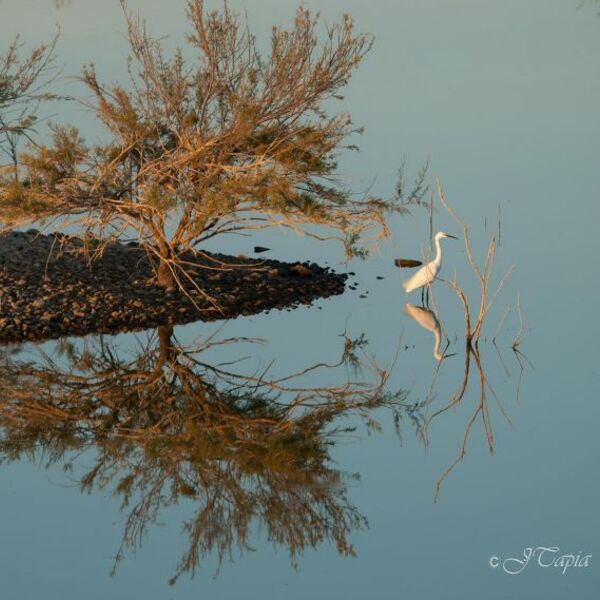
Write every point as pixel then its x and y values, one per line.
pixel 451 236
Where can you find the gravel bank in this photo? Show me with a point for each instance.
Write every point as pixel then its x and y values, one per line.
pixel 46 293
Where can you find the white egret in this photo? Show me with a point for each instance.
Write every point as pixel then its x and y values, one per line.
pixel 425 276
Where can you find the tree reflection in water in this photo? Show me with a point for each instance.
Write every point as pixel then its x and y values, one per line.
pixel 167 426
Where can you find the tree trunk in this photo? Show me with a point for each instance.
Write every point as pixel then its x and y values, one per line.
pixel 165 339
pixel 164 275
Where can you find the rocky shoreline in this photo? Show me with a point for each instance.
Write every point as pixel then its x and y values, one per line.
pixel 48 289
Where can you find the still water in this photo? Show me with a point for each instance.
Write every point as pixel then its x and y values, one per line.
pixel 335 497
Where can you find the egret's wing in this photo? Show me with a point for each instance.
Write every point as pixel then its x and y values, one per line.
pixel 424 276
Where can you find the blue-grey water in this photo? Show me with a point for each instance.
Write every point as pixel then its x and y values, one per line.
pixel 503 98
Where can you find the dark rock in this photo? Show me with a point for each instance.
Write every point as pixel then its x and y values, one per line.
pixel 407 263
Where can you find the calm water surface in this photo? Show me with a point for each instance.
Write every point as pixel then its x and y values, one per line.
pixel 503 98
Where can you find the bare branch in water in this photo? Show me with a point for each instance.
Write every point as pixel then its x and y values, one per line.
pixel 473 329
pixel 483 274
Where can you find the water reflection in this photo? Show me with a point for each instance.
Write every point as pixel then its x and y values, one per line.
pixel 480 410
pixel 428 320
pixel 168 426
pixel 237 447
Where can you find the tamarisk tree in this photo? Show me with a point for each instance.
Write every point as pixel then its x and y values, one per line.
pixel 23 86
pixel 219 138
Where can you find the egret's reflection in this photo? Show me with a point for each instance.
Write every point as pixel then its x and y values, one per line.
pixel 428 320
pixel 166 424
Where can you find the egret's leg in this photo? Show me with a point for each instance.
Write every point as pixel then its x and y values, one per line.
pixel 422 296
pixel 427 297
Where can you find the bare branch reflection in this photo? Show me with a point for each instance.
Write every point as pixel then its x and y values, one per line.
pixel 480 411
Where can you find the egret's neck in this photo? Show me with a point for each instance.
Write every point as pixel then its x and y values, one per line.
pixel 436 345
pixel 438 252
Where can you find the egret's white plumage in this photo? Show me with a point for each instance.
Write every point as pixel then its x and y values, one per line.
pixel 429 271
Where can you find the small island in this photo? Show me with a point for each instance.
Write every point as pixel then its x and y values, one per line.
pixel 48 289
